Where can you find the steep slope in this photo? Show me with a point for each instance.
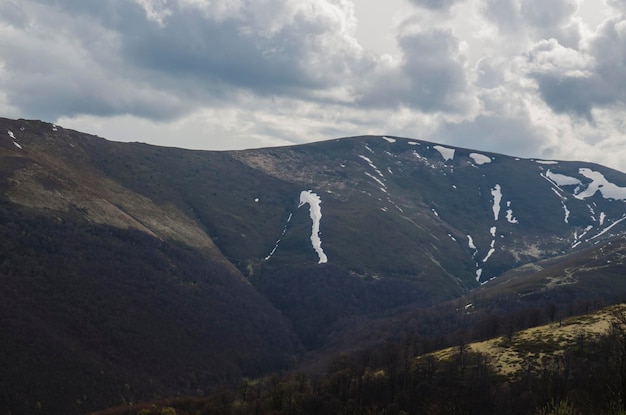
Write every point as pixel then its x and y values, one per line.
pixel 389 207
pixel 486 212
pixel 439 220
pixel 109 296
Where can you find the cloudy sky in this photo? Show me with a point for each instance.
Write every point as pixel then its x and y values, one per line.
pixel 530 78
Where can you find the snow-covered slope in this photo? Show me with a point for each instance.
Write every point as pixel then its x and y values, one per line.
pixel 426 200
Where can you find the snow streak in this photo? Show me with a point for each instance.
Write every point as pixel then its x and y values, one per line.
pixel 497 198
pixel 279 239
pixel 315 211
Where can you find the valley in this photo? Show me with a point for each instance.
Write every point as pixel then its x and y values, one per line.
pixel 141 272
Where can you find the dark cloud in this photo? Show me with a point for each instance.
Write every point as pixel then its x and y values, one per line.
pixel 430 78
pixel 574 95
pixel 229 49
pixel 117 57
pixel 435 4
pixel 12 14
pixel 543 19
pixel 191 46
pixel 161 60
pixel 513 136
pixel 552 19
pixel 547 14
pixel 597 80
pixel 50 71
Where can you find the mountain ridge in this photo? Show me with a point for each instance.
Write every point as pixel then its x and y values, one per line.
pixel 294 167
pixel 225 248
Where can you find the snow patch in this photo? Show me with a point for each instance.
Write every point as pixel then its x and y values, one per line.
pixel 413 143
pixel 446 153
pixel 546 162
pixel 601 184
pixel 470 242
pixel 256 200
pixel 491 251
pixel 602 218
pixel 15 143
pixel 561 179
pixel 480 158
pixel 435 212
pixel 472 245
pixel 509 214
pixel 419 157
pixel 479 272
pixel 389 140
pixel 510 218
pixel 492 231
pixel 314 202
pixel 497 198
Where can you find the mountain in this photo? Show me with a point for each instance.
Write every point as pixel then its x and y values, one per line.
pixel 123 262
pixel 543 292
pixel 109 296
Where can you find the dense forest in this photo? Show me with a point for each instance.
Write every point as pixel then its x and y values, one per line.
pixel 93 315
pixel 588 378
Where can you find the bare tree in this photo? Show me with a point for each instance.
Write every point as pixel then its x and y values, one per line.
pixel 618 334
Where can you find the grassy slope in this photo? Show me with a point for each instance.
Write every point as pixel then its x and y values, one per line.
pixel 539 347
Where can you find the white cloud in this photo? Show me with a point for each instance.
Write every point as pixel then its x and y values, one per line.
pixel 523 77
pixel 578 82
pixel 156 10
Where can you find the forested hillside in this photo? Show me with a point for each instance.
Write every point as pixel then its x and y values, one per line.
pixel 571 367
pixel 133 272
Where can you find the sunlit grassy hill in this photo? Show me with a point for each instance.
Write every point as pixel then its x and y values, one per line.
pixel 540 348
